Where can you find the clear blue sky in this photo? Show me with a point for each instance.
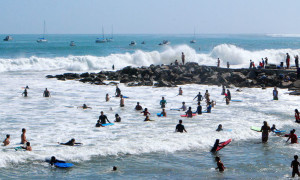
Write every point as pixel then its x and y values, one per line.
pixel 150 16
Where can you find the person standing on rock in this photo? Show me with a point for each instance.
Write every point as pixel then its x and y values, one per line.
pixel 275 94
pixel 287 60
pixel 46 93
pixel 228 65
pixel 218 65
pixel 265 129
pixel 250 67
pixel 182 58
pixel 297 61
pixel 118 92
pixel 199 96
pixel 266 60
pixel 176 62
pixel 163 102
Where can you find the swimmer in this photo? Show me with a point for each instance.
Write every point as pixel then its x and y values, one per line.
pixel 209 108
pixel 199 109
pixel 189 113
pixel 275 94
pixel 84 106
pixel 103 118
pixel 25 93
pixel 183 107
pixel 199 97
pixel 265 129
pixel 180 91
pixel 220 128
pixel 70 143
pixel 6 140
pixel 107 97
pixel 297 116
pixel 293 137
pixel 164 113
pixel 118 91
pixel 138 107
pixel 46 93
pixel 114 168
pixel 180 128
pixel 23 136
pixel 118 118
pixel 148 119
pixel 295 165
pixel 273 128
pixel 163 102
pixel 122 101
pixel 219 164
pixel 27 147
pixel 146 112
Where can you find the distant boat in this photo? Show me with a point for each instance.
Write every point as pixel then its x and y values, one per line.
pixel 193 41
pixel 41 40
pixel 143 42
pixel 165 42
pixel 72 43
pixel 101 40
pixel 8 38
pixel 132 43
pixel 112 35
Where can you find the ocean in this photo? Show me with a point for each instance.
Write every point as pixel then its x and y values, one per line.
pixel 140 150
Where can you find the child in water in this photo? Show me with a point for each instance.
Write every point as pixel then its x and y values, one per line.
pixel 220 128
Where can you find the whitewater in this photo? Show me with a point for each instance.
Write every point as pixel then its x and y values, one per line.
pixel 140 149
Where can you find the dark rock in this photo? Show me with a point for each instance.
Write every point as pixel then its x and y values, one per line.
pixel 84 75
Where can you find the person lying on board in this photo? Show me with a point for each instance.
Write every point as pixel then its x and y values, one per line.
pixel 84 106
pixel 54 160
pixel 70 143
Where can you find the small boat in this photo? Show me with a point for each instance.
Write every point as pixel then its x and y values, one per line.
pixel 41 40
pixel 165 42
pixel 101 40
pixel 8 38
pixel 193 41
pixel 143 42
pixel 132 43
pixel 72 43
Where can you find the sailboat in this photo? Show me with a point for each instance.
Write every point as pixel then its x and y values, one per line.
pixel 193 41
pixel 41 40
pixel 101 40
pixel 112 35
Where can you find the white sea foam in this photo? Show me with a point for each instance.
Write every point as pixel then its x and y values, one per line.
pixel 56 119
pixel 238 57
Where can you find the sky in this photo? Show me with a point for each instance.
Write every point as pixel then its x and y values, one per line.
pixel 150 16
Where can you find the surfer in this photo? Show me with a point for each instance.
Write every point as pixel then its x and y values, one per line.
pixel 265 129
pixel 121 101
pixel 220 128
pixel 273 128
pixel 182 58
pixel 180 127
pixel 146 112
pixel 275 93
pixel 228 94
pixel 114 168
pixel 219 164
pixel 199 108
pixel 102 119
pixel 163 102
pixel 25 93
pixel 199 97
pixel 223 90
pixel 189 113
pixel 180 91
pixel 297 116
pixel 27 147
pixel 70 143
pixel 84 106
pixel 107 97
pixel 295 165
pixel 138 107
pixel 293 137
pixel 6 140
pixel 46 93
pixel 54 160
pixel 216 145
pixel 118 118
pixel 183 107
pixel 118 91
pixel 23 136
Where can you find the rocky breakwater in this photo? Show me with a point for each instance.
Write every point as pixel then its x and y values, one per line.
pixel 172 75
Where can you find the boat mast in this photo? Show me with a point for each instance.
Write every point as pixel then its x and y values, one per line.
pixel 44 29
pixel 102 32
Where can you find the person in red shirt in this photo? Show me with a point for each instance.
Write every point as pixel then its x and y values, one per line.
pixel 297 116
pixel 293 137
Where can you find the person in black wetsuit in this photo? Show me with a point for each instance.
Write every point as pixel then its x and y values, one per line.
pixel 216 145
pixel 220 128
pixel 102 119
pixel 199 96
pixel 54 160
pixel 228 94
pixel 199 109
pixel 180 127
pixel 71 143
pixel 25 93
pixel 118 118
pixel 46 93
pixel 118 92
